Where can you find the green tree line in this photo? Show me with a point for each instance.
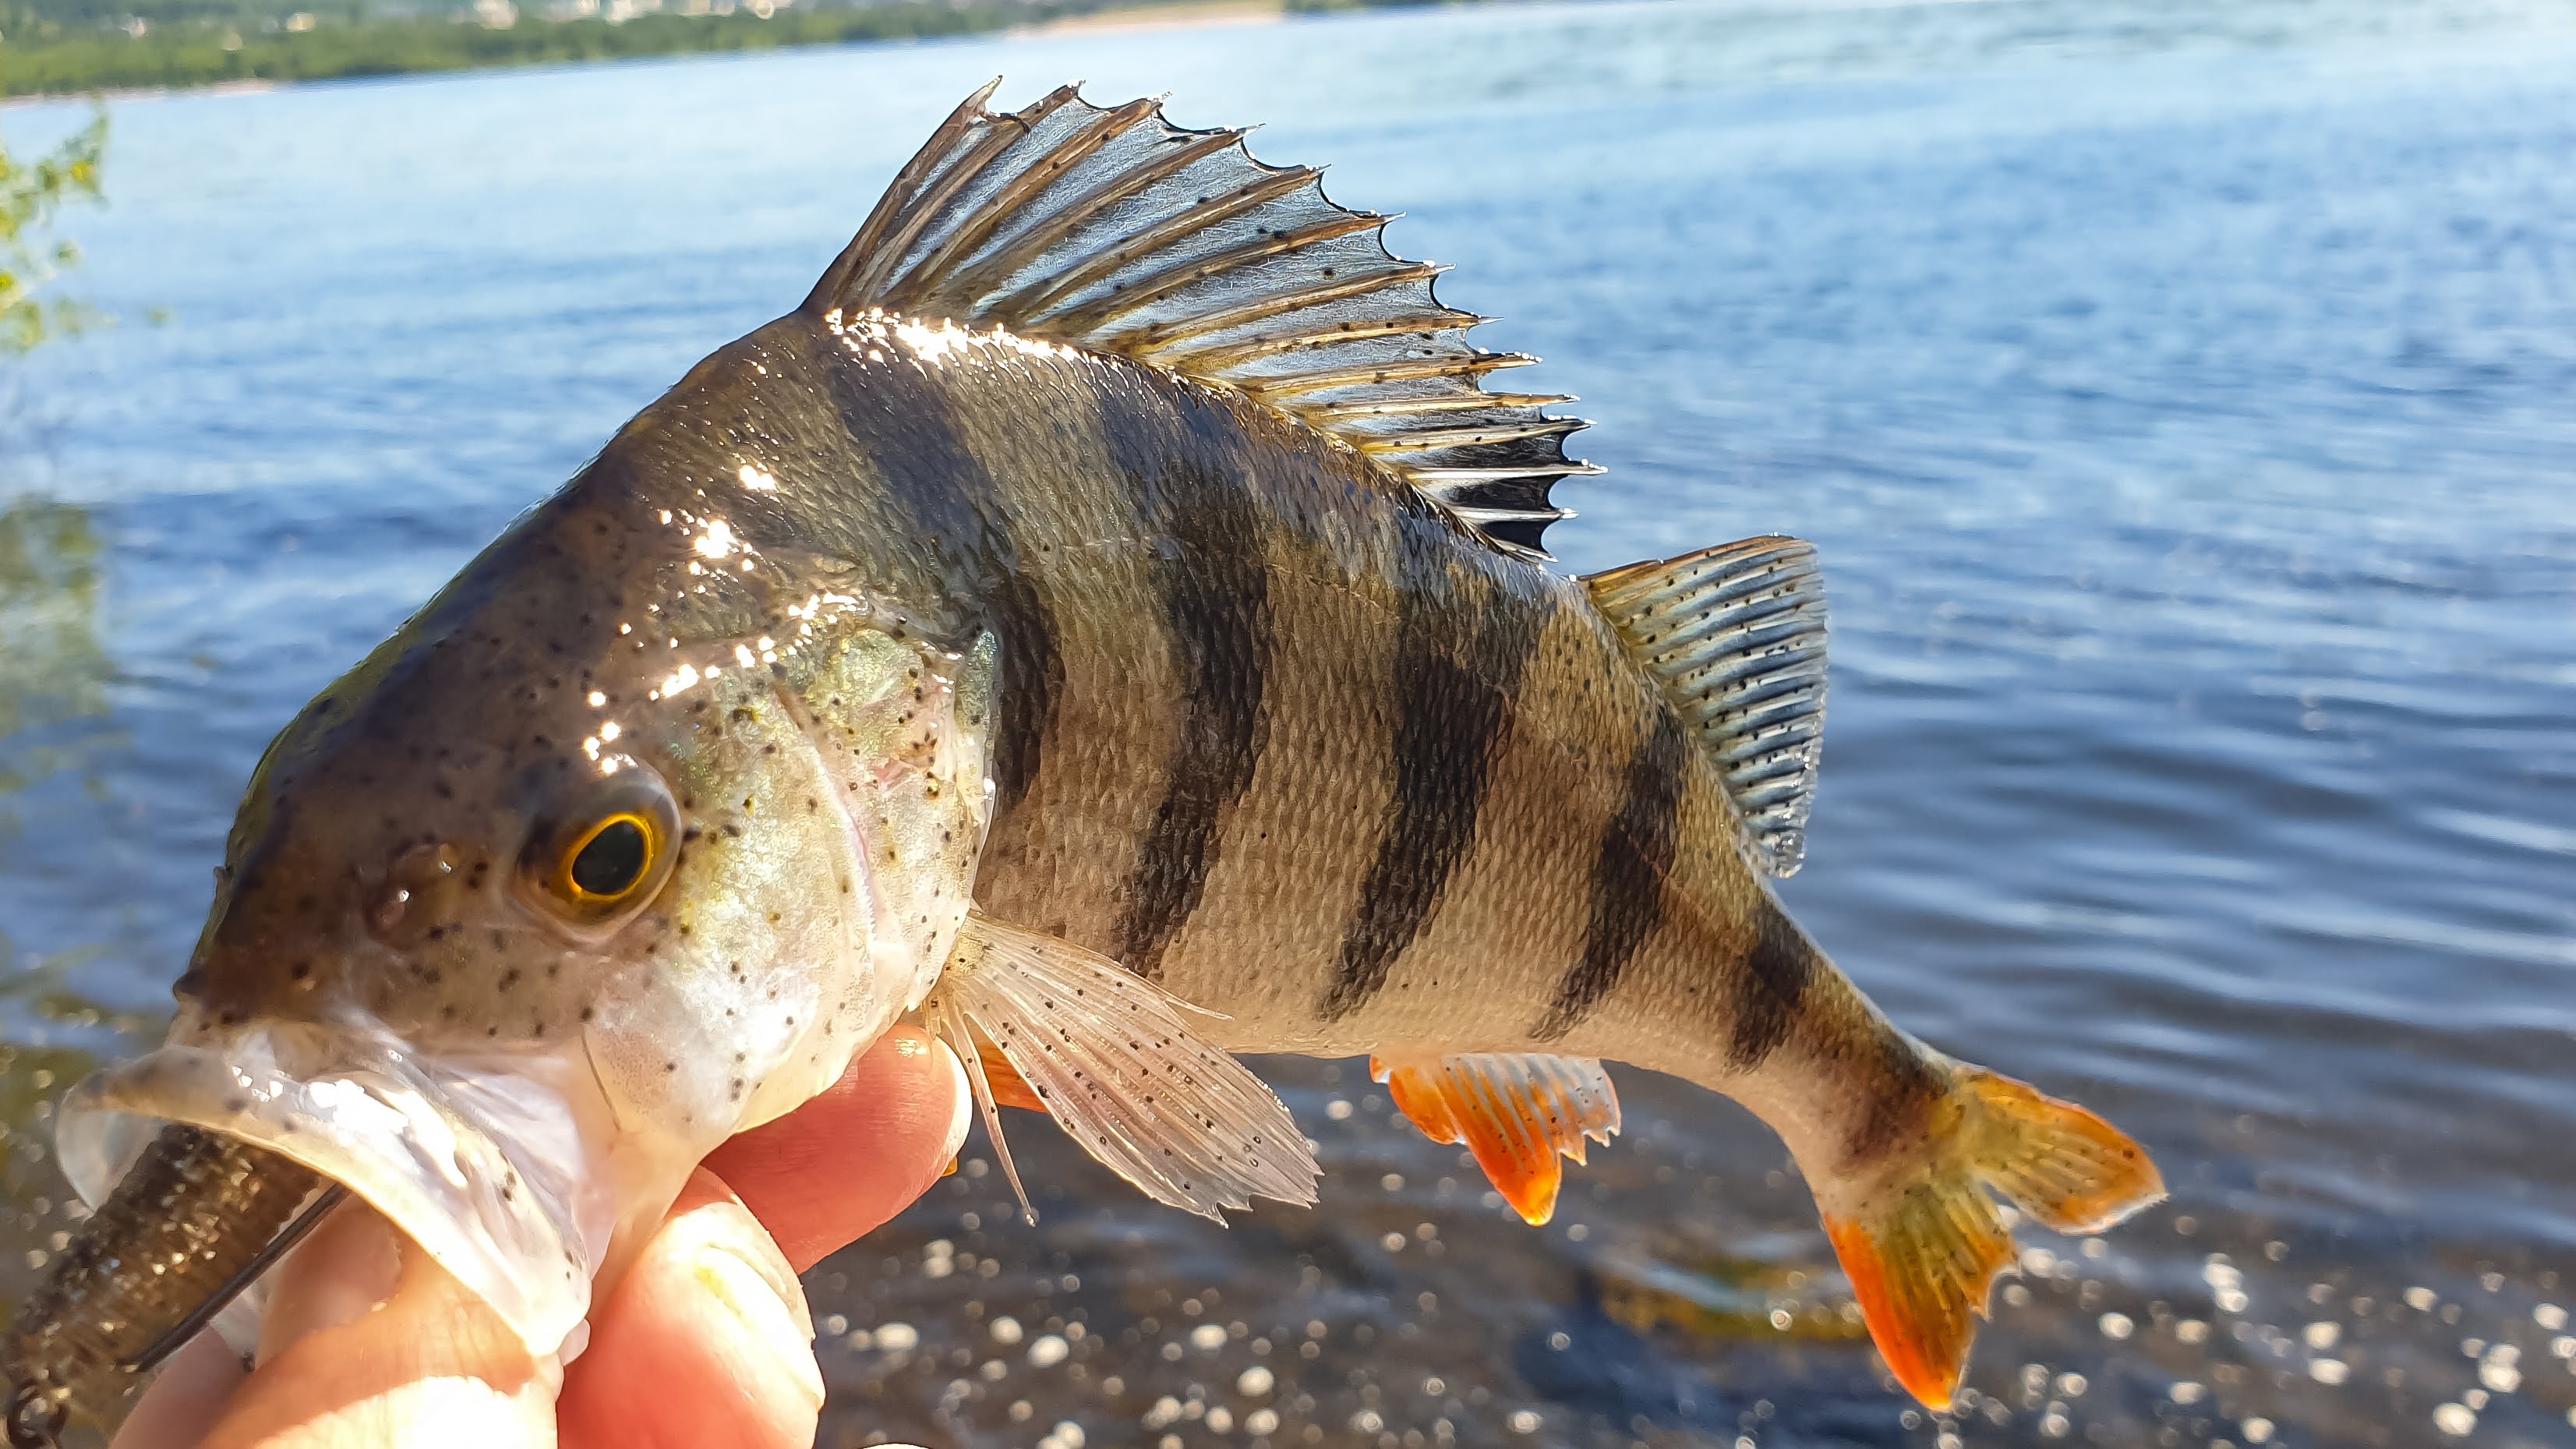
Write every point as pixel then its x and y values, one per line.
pixel 211 52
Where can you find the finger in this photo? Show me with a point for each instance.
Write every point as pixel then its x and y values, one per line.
pixel 704 1341
pixel 352 1264
pixel 857 1154
pixel 369 1344
pixel 185 1397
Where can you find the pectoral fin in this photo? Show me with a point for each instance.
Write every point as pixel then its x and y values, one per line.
pixel 1108 1054
pixel 1003 1080
pixel 1516 1111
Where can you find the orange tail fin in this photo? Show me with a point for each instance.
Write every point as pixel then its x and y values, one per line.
pixel 1923 1251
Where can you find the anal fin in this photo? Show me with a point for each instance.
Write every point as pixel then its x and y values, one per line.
pixel 1517 1112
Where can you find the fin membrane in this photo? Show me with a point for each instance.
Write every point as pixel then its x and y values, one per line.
pixel 1923 1253
pixel 1003 1080
pixel 1108 1055
pixel 1736 635
pixel 1116 231
pixel 1515 1111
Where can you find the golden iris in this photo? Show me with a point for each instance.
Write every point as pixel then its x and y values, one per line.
pixel 604 865
pixel 607 854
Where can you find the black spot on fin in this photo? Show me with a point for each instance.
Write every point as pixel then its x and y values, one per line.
pixel 1736 636
pixel 1115 231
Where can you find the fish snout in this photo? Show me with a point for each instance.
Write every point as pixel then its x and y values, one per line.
pixel 277 938
pixel 289 935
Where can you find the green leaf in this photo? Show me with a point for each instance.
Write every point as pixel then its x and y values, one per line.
pixel 31 193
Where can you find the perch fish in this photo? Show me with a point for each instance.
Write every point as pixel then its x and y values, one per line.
pixel 1115 587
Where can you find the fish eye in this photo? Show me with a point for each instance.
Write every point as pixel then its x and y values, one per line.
pixel 611 859
pixel 606 852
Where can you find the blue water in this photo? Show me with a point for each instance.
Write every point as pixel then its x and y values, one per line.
pixel 2179 395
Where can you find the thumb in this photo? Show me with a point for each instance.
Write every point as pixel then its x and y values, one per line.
pixel 704 1341
pixel 369 1344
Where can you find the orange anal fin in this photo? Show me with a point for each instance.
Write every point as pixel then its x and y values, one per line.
pixel 1517 1112
pixel 1009 1088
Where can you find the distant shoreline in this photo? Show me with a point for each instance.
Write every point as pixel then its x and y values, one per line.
pixel 142 93
pixel 1174 15
pixel 203 58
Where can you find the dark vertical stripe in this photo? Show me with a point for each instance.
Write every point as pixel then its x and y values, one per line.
pixel 1453 718
pixel 1637 851
pixel 1213 586
pixel 1771 984
pixel 947 503
pixel 1032 681
pixel 1900 1096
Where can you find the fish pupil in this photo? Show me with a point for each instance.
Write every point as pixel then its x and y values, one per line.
pixel 612 860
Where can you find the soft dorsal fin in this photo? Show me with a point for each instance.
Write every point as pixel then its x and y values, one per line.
pixel 1116 231
pixel 1736 635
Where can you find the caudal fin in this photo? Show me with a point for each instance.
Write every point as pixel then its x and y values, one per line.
pixel 1922 1252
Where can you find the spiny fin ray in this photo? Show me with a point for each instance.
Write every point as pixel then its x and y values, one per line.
pixel 1115 231
pixel 1736 635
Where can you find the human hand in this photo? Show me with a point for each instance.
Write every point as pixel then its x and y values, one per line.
pixel 370 1345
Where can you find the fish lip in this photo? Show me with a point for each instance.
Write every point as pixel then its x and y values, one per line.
pixel 499 1166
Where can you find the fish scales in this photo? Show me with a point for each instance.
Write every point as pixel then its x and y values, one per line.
pixel 1114 589
pixel 1183 823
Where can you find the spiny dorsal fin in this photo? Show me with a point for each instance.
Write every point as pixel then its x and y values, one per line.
pixel 1736 635
pixel 1116 231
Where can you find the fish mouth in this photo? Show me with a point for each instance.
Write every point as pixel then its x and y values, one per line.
pixel 502 1168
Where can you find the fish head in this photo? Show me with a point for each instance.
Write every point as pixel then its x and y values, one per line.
pixel 517 923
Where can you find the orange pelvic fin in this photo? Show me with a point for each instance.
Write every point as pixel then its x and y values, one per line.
pixel 1922 1250
pixel 1009 1088
pixel 1515 1111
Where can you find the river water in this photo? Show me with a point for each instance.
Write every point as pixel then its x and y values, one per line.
pixel 2178 393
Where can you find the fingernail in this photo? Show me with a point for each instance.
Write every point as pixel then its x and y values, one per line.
pixel 770 1306
pixel 961 1106
pixel 348 1268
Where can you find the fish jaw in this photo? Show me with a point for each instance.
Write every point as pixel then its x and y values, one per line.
pixel 509 1170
